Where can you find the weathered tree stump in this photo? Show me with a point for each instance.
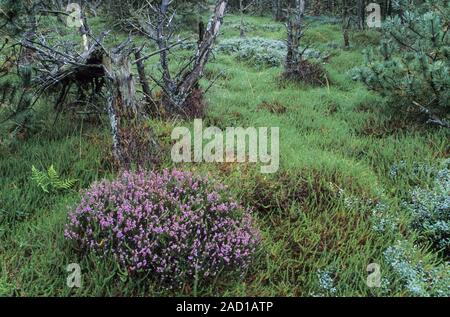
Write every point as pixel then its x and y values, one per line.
pixel 133 141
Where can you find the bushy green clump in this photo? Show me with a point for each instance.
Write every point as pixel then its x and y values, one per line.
pixel 366 38
pixel 326 282
pixel 252 27
pixel 431 212
pixel 324 20
pixel 260 52
pixel 428 202
pixel 412 65
pixel 16 99
pixel 257 51
pixel 12 11
pixel 414 172
pixel 418 278
pixel 383 220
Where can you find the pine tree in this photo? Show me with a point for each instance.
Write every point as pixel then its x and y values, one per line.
pixel 17 21
pixel 412 65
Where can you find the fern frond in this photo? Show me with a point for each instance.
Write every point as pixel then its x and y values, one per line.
pixel 51 179
pixel 52 174
pixel 40 178
pixel 64 184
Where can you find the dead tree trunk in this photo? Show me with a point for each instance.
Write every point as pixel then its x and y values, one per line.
pixel 121 102
pixel 143 78
pixel 277 10
pixel 203 52
pixel 294 34
pixel 179 87
pixel 132 141
pixel 241 26
pixel 242 10
pixel 361 14
pixel 30 33
pixel 346 24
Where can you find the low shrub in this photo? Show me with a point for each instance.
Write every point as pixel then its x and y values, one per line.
pixel 324 20
pixel 175 226
pixel 326 282
pixel 428 201
pixel 195 107
pixel 256 51
pixel 431 212
pixel 260 52
pixel 413 173
pixel 307 72
pixel 366 38
pixel 252 27
pixel 416 276
pixel 273 107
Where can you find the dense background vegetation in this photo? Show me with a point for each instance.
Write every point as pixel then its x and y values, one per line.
pixel 364 146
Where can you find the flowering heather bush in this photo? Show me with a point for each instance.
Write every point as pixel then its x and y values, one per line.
pixel 174 225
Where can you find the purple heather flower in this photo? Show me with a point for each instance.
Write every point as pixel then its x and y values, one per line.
pixel 172 224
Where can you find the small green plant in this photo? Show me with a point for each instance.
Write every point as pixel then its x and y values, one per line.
pixel 430 209
pixel 50 180
pixel 417 275
pixel 260 52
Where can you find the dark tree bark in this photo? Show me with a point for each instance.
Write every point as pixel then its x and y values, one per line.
pixel 204 50
pixel 132 141
pixel 242 9
pixel 295 33
pixel 143 78
pixel 360 7
pixel 121 102
pixel 178 88
pixel 346 23
pixel 277 10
